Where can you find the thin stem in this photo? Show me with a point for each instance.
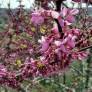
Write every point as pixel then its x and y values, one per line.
pixel 85 48
pixel 64 78
pixel 77 71
pixel 88 72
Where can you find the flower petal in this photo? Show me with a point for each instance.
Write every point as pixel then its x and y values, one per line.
pixel 74 11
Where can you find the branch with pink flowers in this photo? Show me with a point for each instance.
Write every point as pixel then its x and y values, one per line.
pixel 45 52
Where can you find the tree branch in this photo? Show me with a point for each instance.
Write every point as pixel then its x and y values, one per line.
pixel 85 48
pixel 58 8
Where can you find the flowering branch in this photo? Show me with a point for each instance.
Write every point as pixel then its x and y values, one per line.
pixel 45 54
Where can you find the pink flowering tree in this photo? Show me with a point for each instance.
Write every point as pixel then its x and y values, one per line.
pixel 43 43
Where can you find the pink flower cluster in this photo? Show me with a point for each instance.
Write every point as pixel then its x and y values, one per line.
pixel 55 52
pixel 65 17
pixel 8 78
pixel 37 19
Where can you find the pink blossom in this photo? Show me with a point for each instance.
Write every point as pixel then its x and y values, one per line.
pixel 67 16
pixel 3 71
pixel 44 44
pixel 37 19
pixel 80 55
pixel 55 14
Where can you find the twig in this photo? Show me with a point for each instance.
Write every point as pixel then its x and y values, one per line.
pixel 79 72
pixel 85 48
pixel 88 71
pixel 58 9
pixel 64 78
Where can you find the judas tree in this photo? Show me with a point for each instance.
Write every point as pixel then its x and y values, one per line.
pixel 41 43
